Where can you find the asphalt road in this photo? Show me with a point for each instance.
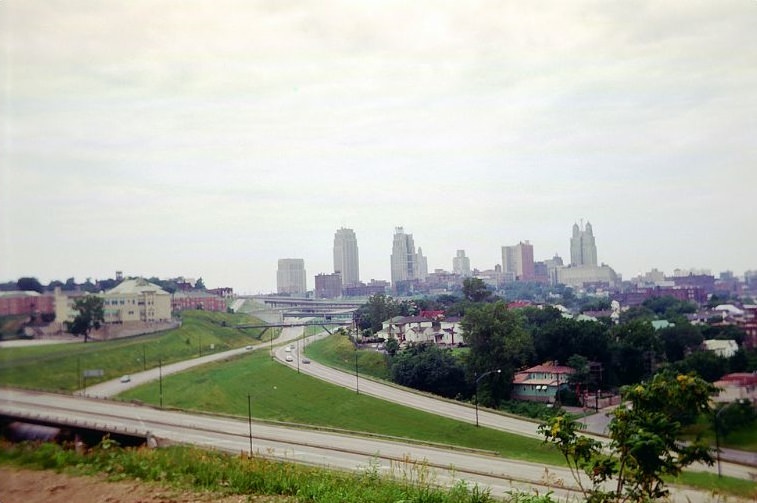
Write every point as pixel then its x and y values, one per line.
pixel 399 459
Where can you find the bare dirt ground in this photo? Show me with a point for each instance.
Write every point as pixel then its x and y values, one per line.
pixel 32 486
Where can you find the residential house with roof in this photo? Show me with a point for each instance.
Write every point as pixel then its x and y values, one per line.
pixel 540 383
pixel 418 329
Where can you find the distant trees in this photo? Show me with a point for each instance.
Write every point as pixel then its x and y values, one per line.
pixel 90 316
pixel 475 290
pixel 29 285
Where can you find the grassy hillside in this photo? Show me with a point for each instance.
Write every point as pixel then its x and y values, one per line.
pixel 58 367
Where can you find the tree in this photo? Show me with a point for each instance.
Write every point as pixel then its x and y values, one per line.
pixel 29 285
pixel 91 315
pixel 497 340
pixel 199 284
pixel 475 290
pixel 644 446
pixel 429 368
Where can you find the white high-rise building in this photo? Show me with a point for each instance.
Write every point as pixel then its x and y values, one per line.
pixel 291 276
pixel 461 264
pixel 404 259
pixel 346 256
pixel 583 248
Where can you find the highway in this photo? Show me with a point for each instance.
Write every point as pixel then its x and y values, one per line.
pixel 331 450
pixel 316 447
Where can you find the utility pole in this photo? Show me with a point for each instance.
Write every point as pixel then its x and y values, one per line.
pixel 249 419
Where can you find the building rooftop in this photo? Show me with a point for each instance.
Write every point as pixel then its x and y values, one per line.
pixel 136 286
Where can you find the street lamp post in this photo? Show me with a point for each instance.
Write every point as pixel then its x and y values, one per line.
pixel 160 381
pixel 497 371
pixel 249 419
pixel 357 381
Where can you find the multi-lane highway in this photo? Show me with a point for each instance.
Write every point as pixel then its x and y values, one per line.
pixel 308 446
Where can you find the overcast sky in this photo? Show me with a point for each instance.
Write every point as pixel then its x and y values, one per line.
pixel 211 138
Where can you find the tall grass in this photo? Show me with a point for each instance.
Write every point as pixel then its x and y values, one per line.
pixel 194 469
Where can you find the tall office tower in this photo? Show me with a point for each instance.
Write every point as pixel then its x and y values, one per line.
pixel 422 262
pixel 583 249
pixel 461 264
pixel 404 259
pixel 519 261
pixel 346 256
pixel 290 277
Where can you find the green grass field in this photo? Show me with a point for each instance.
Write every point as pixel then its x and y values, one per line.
pixel 279 393
pixel 338 352
pixel 64 363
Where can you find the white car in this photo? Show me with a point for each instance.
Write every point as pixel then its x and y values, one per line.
pixel 289 358
pixel 126 378
pixel 248 348
pixel 288 349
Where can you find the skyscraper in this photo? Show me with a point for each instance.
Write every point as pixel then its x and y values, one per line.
pixel 404 259
pixel 290 277
pixel 583 248
pixel 346 256
pixel 519 260
pixel 461 264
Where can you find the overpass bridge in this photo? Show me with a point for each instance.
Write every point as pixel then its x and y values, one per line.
pixel 294 307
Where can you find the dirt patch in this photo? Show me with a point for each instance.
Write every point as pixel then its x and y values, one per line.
pixel 31 486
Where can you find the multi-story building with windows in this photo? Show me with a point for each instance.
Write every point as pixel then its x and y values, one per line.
pixel 328 286
pixel 461 264
pixel 346 262
pixel 519 260
pixel 583 248
pixel 136 300
pixel 291 277
pixel 404 260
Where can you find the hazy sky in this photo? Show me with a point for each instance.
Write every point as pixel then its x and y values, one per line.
pixel 211 138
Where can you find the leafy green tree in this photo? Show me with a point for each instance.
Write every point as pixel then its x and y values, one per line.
pixel 475 290
pixel 429 368
pixel 706 364
pixel 199 284
pixel 497 340
pixel 644 446
pixel 90 316
pixel 679 340
pixel 392 346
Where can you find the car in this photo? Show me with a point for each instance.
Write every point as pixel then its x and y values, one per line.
pixel 248 348
pixel 126 378
pixel 289 358
pixel 305 360
pixel 288 349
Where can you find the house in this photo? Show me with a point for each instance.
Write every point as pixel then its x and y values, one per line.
pixel 724 348
pixel 540 383
pixel 136 300
pixel 737 386
pixel 417 329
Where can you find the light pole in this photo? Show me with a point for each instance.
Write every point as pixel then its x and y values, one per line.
pixel 160 381
pixel 717 430
pixel 357 381
pixel 249 419
pixel 497 371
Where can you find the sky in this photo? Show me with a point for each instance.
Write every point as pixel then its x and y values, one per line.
pixel 211 138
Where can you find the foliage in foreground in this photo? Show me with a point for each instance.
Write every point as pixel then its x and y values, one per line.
pixel 644 446
pixel 195 469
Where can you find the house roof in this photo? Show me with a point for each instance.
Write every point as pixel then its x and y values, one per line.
pixel 136 286
pixel 550 367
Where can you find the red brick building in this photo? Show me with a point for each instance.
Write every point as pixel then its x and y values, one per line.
pixel 25 303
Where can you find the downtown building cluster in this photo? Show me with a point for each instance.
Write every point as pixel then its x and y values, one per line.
pixel 410 275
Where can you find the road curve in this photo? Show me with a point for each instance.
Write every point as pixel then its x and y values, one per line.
pixel 442 466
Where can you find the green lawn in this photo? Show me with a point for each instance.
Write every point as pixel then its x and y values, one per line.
pixel 339 352
pixel 63 363
pixel 279 393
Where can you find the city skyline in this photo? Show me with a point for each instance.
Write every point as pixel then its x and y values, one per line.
pixel 211 139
